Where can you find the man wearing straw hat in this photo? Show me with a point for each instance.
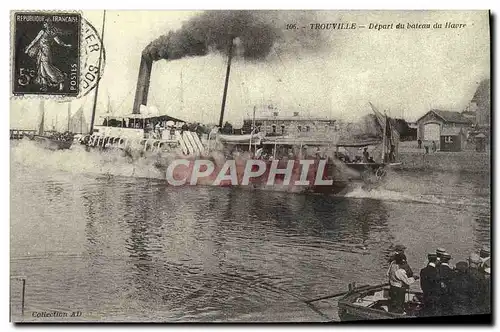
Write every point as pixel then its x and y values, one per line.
pixel 439 254
pixel 484 255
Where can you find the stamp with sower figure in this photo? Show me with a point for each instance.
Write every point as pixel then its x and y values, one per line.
pixel 47 53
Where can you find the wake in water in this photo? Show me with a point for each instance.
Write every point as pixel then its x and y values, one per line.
pixel 79 161
pixel 390 195
pixel 416 188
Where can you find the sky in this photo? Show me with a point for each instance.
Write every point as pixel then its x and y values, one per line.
pixel 404 72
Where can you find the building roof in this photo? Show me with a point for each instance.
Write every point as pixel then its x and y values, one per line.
pixel 451 131
pixel 449 116
pixel 119 117
pixel 482 94
pixel 288 118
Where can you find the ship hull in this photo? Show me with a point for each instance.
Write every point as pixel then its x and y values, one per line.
pixel 52 144
pixel 340 183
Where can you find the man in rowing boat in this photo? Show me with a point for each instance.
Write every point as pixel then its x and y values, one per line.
pixel 399 283
pixel 399 249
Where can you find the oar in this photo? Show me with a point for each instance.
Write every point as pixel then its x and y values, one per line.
pixel 339 294
pixel 327 297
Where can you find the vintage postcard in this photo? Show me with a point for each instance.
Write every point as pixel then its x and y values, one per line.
pixel 250 166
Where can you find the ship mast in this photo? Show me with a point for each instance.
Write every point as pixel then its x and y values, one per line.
pixel 229 57
pixel 384 139
pixel 182 95
pixel 69 114
pixel 41 126
pixel 92 119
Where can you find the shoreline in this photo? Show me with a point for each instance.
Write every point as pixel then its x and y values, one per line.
pixel 463 161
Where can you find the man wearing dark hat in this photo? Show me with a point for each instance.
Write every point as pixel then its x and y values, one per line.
pixel 399 249
pixel 461 289
pixel 484 252
pixel 429 282
pixel 445 272
pixel 399 283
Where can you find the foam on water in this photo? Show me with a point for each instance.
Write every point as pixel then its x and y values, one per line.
pixel 381 193
pixel 78 161
pixel 390 195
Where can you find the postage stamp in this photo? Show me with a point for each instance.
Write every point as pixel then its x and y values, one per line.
pixel 46 53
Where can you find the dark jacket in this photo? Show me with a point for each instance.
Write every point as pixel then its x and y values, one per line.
pixel 462 293
pixel 429 281
pixel 445 298
pixel 446 275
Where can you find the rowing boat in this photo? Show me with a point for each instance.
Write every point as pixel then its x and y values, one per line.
pixel 372 302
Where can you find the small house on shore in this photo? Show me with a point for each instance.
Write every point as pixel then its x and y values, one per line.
pixel 431 125
pixel 453 139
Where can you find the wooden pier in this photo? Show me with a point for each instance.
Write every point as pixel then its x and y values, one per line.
pixel 20 133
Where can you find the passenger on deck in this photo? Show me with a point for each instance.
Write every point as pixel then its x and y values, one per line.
pixel 258 153
pixel 429 282
pixel 392 154
pixel 434 147
pixel 446 274
pixel 399 282
pixel 366 155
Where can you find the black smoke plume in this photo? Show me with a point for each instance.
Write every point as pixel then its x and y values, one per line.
pixel 257 31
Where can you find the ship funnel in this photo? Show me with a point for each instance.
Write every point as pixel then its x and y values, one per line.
pixel 143 80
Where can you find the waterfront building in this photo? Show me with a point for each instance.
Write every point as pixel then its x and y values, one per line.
pixel 431 125
pixel 453 139
pixel 274 121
